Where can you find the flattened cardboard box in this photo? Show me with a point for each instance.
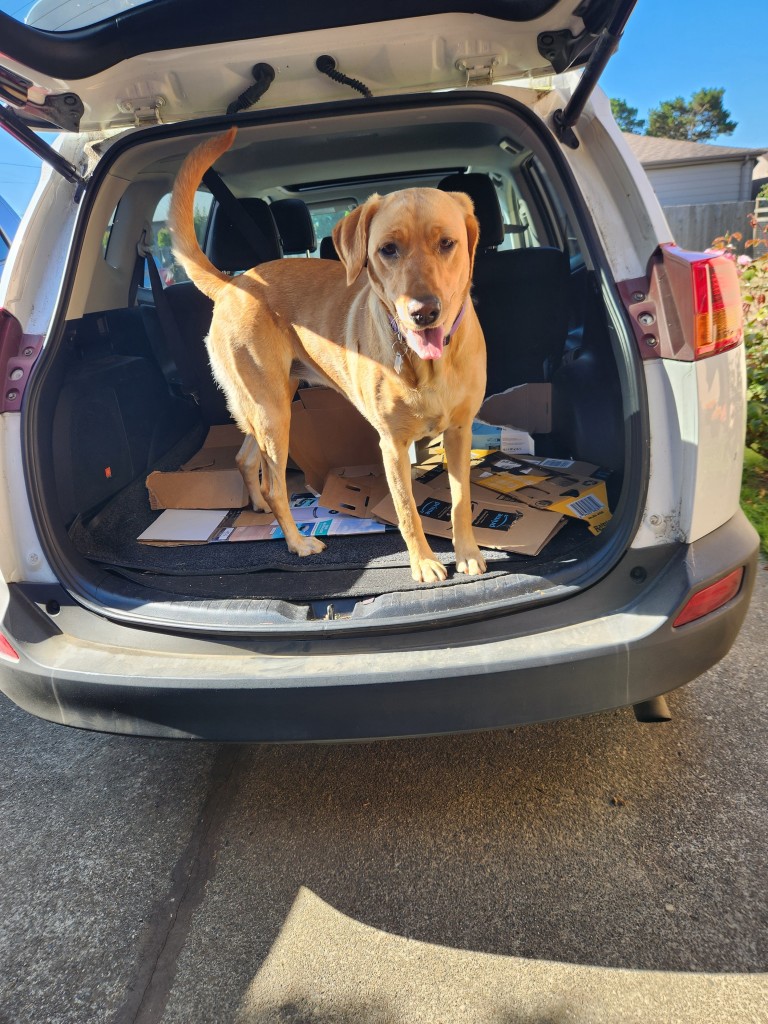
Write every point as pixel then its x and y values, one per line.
pixel 178 527
pixel 565 486
pixel 355 490
pixel 209 480
pixel 499 522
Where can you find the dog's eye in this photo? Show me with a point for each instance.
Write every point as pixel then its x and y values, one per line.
pixel 446 244
pixel 389 250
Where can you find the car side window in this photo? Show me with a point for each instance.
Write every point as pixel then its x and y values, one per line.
pixel 172 272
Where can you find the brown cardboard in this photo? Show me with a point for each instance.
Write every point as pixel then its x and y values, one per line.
pixel 209 480
pixel 523 410
pixel 499 522
pixel 567 487
pixel 354 491
pixel 327 432
pixel 527 407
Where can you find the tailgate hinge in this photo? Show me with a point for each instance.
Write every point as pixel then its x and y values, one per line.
pixel 479 70
pixel 145 110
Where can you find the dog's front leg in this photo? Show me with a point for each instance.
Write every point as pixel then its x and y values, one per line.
pixel 457 443
pixel 425 568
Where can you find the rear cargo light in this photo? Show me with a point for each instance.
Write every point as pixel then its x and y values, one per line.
pixel 6 651
pixel 717 307
pixel 711 598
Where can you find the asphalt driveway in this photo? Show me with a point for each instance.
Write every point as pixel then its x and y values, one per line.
pixel 591 870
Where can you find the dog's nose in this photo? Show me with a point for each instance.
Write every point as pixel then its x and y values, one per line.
pixel 425 310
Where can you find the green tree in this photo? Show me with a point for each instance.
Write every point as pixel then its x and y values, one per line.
pixel 700 119
pixel 626 117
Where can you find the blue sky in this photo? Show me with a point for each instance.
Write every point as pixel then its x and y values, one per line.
pixel 670 48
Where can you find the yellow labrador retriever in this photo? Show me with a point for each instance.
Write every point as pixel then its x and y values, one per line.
pixel 401 341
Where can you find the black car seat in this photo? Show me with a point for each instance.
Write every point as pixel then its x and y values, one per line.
pixel 328 249
pixel 521 295
pixel 228 250
pixel 294 224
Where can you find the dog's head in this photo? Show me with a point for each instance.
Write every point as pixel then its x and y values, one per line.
pixel 419 247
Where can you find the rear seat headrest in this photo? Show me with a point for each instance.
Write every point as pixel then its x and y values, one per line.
pixel 328 249
pixel 482 192
pixel 228 250
pixel 295 226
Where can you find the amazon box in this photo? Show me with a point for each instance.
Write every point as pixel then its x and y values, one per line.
pixel 499 521
pixel 565 486
pixel 209 480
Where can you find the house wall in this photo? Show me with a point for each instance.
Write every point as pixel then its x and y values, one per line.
pixel 721 182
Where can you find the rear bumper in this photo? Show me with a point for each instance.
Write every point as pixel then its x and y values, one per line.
pixel 610 646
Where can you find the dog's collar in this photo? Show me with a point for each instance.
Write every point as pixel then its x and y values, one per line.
pixel 399 337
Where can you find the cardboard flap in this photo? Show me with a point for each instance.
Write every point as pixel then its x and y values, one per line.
pixel 209 480
pixel 327 432
pixel 353 495
pixel 527 407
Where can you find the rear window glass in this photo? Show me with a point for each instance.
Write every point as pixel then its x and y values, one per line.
pixel 325 216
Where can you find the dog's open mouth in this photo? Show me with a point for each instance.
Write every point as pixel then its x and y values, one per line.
pixel 427 343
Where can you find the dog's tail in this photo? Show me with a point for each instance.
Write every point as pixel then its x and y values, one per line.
pixel 186 247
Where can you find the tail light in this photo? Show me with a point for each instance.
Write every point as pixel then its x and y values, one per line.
pixel 689 307
pixel 717 307
pixel 710 598
pixel 6 651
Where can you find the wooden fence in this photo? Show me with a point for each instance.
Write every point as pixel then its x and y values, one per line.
pixel 696 227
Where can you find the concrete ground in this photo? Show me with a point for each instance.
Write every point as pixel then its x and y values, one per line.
pixel 584 871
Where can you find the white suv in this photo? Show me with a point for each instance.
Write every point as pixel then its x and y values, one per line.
pixel 578 287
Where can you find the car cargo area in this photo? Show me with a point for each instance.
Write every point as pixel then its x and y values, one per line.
pixel 113 403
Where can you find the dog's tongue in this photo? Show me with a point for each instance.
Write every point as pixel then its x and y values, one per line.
pixel 428 344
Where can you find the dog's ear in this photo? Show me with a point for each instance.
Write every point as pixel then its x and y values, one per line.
pixel 350 237
pixel 472 224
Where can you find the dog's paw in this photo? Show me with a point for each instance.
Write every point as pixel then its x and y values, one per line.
pixel 428 570
pixel 471 563
pixel 307 546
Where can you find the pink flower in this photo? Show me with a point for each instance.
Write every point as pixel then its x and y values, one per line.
pixel 743 261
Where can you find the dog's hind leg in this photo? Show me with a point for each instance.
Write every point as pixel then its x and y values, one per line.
pixel 266 422
pixel 249 463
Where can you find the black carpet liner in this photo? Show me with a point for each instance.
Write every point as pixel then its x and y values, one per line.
pixel 349 567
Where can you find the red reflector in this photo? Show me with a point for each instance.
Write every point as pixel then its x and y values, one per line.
pixel 710 598
pixel 6 651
